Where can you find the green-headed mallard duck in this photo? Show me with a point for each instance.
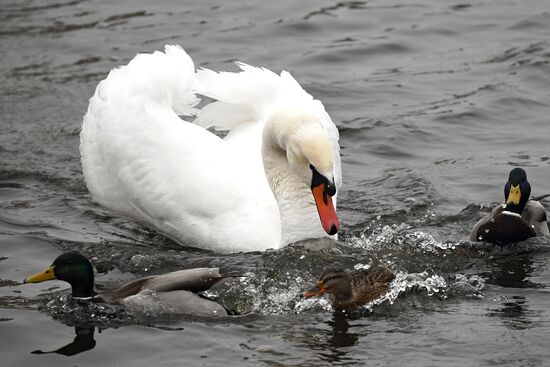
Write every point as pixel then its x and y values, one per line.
pixel 350 290
pixel 175 291
pixel 517 219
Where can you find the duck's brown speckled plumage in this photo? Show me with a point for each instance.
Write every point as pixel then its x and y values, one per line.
pixel 349 290
pixel 367 285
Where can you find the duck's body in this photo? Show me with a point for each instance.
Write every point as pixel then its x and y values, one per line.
pixel 142 160
pixel 515 220
pixel 171 292
pixel 350 290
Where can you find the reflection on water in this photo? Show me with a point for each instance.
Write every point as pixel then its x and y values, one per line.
pixel 517 314
pixel 341 337
pixel 512 271
pixel 83 341
pixel 332 344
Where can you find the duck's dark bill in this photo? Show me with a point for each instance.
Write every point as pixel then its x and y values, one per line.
pixel 47 274
pixel 314 292
pixel 326 210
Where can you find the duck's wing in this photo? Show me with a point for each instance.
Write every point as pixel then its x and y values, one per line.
pixel 139 158
pixel 378 273
pixel 534 214
pixel 475 233
pixel 124 291
pixel 371 283
pixel 540 197
pixel 194 280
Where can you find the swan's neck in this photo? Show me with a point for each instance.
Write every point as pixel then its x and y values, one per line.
pixel 299 217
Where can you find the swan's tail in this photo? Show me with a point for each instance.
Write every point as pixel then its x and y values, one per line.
pixel 138 101
pixel 161 77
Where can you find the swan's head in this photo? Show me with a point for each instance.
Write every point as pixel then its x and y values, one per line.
pixel 310 156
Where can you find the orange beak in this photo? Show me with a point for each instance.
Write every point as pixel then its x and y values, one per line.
pixel 326 210
pixel 316 291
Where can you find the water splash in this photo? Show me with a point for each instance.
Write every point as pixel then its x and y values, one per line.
pixel 259 293
pixel 400 234
pixel 404 282
pixel 75 312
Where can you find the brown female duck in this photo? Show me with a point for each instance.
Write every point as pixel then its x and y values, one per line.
pixel 350 290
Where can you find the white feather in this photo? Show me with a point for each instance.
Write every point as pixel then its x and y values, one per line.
pixel 142 160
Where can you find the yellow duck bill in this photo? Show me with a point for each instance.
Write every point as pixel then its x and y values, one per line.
pixel 47 274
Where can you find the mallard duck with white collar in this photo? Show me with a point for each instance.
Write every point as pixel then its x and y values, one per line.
pixel 517 219
pixel 171 292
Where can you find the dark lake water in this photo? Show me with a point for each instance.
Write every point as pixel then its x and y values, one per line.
pixel 435 102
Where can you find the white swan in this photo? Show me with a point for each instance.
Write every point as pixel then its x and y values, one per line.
pixel 268 183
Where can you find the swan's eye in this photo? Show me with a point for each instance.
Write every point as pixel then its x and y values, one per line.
pixel 331 189
pixel 312 167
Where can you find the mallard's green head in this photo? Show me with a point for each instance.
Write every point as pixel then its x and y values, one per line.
pixel 517 190
pixel 72 268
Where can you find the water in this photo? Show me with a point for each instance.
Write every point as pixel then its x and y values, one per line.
pixel 435 102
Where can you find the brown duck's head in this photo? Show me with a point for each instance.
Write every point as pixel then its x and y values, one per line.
pixel 333 281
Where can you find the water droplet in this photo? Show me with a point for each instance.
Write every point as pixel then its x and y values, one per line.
pixel 493 220
pixel 480 238
pixel 486 230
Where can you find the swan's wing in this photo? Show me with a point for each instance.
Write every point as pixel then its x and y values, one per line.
pixel 241 97
pixel 245 99
pixel 140 159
